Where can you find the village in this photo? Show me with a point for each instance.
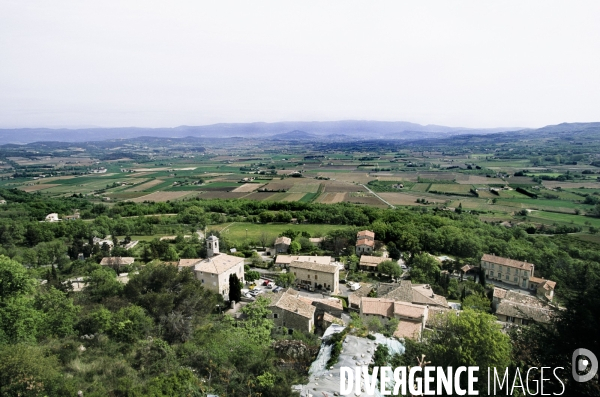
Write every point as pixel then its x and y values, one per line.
pixel 317 301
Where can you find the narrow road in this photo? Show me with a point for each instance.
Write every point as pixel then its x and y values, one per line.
pixel 378 196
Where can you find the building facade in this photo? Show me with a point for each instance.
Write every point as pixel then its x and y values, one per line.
pixel 316 275
pixel 507 270
pixel 365 242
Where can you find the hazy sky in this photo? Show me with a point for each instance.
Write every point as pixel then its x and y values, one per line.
pixel 168 63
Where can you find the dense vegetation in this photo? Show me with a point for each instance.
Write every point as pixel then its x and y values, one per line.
pixel 162 333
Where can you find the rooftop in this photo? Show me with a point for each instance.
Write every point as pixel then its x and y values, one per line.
pixel 408 329
pixel 187 262
pixel 319 267
pixel 377 306
pixel 218 264
pixel 519 310
pixel 287 259
pixel 283 240
pixel 367 260
pixel 499 293
pixel 364 241
pixel 365 234
pixel 290 301
pixel 405 309
pixel 507 262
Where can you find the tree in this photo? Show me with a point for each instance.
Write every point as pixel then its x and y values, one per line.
pixel 29 371
pixel 473 338
pixel 390 268
pixel 476 302
pixel 189 252
pixel 102 283
pixel 235 291
pixel 14 280
pixel 285 279
pixel 424 269
pixel 295 247
pixel 257 324
pixel 58 313
pixel 251 275
pixel 130 324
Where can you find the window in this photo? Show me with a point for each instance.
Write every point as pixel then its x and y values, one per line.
pixel 308 276
pixel 507 277
pixel 510 319
pixel 491 274
pixel 295 274
pixel 202 281
pixel 315 276
pixel 275 315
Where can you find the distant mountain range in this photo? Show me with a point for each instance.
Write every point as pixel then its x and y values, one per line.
pixel 293 130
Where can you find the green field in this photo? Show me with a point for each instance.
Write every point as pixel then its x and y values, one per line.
pixel 236 232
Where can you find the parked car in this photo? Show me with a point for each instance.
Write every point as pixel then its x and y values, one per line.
pixel 277 289
pixel 354 286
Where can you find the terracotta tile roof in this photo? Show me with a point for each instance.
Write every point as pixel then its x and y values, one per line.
pixel 466 268
pixel 287 259
pixel 294 304
pixel 365 234
pixel 188 262
pixel 399 292
pixel 542 282
pixel 499 293
pixel 218 264
pixel 367 260
pixel 117 260
pixel 364 241
pixel 423 294
pixel 334 303
pixel 408 329
pixel 314 266
pixel 549 284
pixel 377 306
pixel 405 309
pixel 507 262
pixel 283 240
pixel 535 313
pixel 355 297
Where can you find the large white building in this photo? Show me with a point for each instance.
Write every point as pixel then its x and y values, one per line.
pixel 215 270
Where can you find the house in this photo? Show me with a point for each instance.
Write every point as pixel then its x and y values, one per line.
pixel 316 275
pixel 53 217
pixel 405 291
pixel 2 202
pixel 544 288
pixel 520 308
pixel 285 260
pixel 507 270
pixel 290 311
pixel 369 263
pixel 365 242
pixel 73 217
pixel 517 273
pixel 117 261
pixel 412 317
pixel 215 270
pixel 282 244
